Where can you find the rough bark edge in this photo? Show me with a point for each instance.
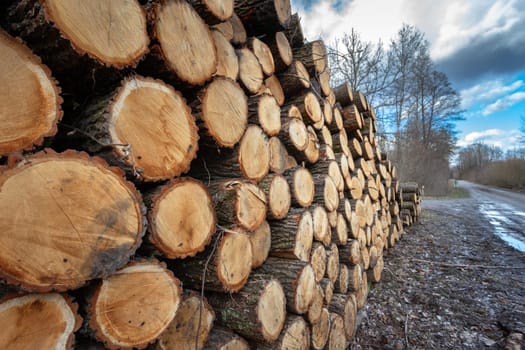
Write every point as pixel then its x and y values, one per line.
pixel 152 212
pixel 14 164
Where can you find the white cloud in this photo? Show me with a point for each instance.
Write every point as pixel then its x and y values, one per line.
pixel 505 139
pixel 504 102
pixel 488 91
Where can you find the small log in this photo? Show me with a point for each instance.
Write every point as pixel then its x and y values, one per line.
pixel 279 158
pixel 257 312
pixel 180 227
pixel 342 144
pixel 332 263
pixel 160 146
pixel 285 244
pixel 264 16
pixel 278 195
pixel 30 99
pixel 374 255
pixel 225 28
pixel 337 338
pixel 318 260
pixel 281 50
pixel 222 338
pixel 294 134
pixel 294 78
pixel 321 226
pixel 263 54
pixel 350 253
pixel 362 293
pixel 311 153
pixel 328 290
pixel 213 11
pixel 359 208
pixel 345 306
pixel 225 270
pixel 239 32
pixel 326 192
pixel 354 223
pixel 297 279
pixel 328 112
pixel 264 111
pixel 250 71
pixel 227 62
pixel 51 319
pixel 222 107
pixel 315 311
pixel 185 42
pixel 344 95
pixel 360 101
pixel 368 151
pixel 332 218
pixel 302 185
pixel 308 105
pixel 374 274
pixel 239 203
pixel 192 324
pixel 321 330
pixel 295 335
pixel 261 241
pixel 326 153
pixel 340 232
pixel 355 276
pixel 134 306
pixel 313 55
pixel 324 81
pixel 354 187
pixel 273 84
pixel 352 119
pixel 341 285
pixel 104 224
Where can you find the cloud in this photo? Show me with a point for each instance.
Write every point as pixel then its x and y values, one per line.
pixel 504 103
pixel 505 139
pixel 488 91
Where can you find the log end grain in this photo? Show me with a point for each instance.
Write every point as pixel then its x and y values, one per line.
pixel 250 71
pixel 261 241
pixel 227 62
pixel 263 54
pixel 271 310
pixel 233 269
pixel 321 330
pixel 269 115
pixel 279 197
pixel 254 153
pixel 303 187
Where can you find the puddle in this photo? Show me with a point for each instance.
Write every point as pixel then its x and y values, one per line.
pixel 500 224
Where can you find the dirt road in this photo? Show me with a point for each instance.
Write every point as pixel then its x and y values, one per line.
pixel 451 282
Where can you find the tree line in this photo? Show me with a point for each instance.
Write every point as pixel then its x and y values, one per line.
pixel 415 103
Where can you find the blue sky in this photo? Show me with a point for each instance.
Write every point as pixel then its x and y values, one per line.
pixel 479 44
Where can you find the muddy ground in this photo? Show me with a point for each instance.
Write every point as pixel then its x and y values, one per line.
pixel 449 283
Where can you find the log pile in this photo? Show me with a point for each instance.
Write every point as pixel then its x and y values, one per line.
pixel 181 173
pixel 410 202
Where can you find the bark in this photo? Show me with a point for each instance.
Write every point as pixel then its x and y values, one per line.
pixel 350 253
pixel 344 95
pixel 264 16
pixel 134 306
pixel 352 119
pixel 295 335
pixel 294 32
pixel 285 244
pixel 294 79
pixel 281 50
pixel 360 101
pixel 222 338
pixel 313 55
pixel 66 195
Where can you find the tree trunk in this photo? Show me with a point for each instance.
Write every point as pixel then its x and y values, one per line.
pixel 181 218
pixel 257 312
pixel 264 16
pixel 222 338
pixel 297 279
pixel 66 195
pixel 313 55
pixel 227 62
pixel 225 270
pixel 31 103
pixel 213 11
pixel 264 111
pixel 302 186
pixel 318 260
pixel 134 306
pixel 285 244
pixel 54 314
pixel 192 323
pixel 263 54
pixel 250 71
pixel 281 50
pixel 321 331
pixel 321 226
pixel 295 335
pixel 148 126
pixel 294 79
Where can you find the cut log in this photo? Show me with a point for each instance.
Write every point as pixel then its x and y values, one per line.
pixel 341 285
pixel 264 16
pixel 277 192
pixel 352 119
pixel 192 324
pixel 326 153
pixel 294 134
pixel 225 28
pixel 261 240
pixel 341 143
pixel 315 311
pixel 279 158
pixel 309 106
pixel 30 98
pixel 326 192
pixel 340 232
pixel 257 312
pixel 51 319
pixel 239 203
pixel 148 126
pixel 185 41
pixel 281 50
pixel 222 268
pixel 131 308
pixel 302 185
pixel 354 187
pixel 344 95
pixel 295 335
pixel 213 11
pixel 250 71
pixel 324 81
pixel 239 32
pixel 227 62
pixel 263 54
pixel 273 84
pixel 104 224
pixel 328 290
pixel 332 263
pixel 180 227
pixel 222 338
pixel 264 111
pixel 360 101
pixel 355 277
pixel 313 55
pixel 311 153
pixel 294 32
pixel 332 218
pixel 337 338
pixel 321 226
pixel 321 330
pixel 297 279
pixel 362 293
pixel 318 260
pixel 374 274
pixel 345 306
pixel 294 79
pixel 285 244
pixel 223 108
pixel 359 208
pixel 351 253
pixel 328 112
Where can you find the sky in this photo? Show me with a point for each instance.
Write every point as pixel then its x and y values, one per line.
pixel 479 44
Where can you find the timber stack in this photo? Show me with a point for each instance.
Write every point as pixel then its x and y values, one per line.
pixel 180 174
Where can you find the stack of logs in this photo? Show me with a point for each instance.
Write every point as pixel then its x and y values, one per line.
pixel 193 183
pixel 409 200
